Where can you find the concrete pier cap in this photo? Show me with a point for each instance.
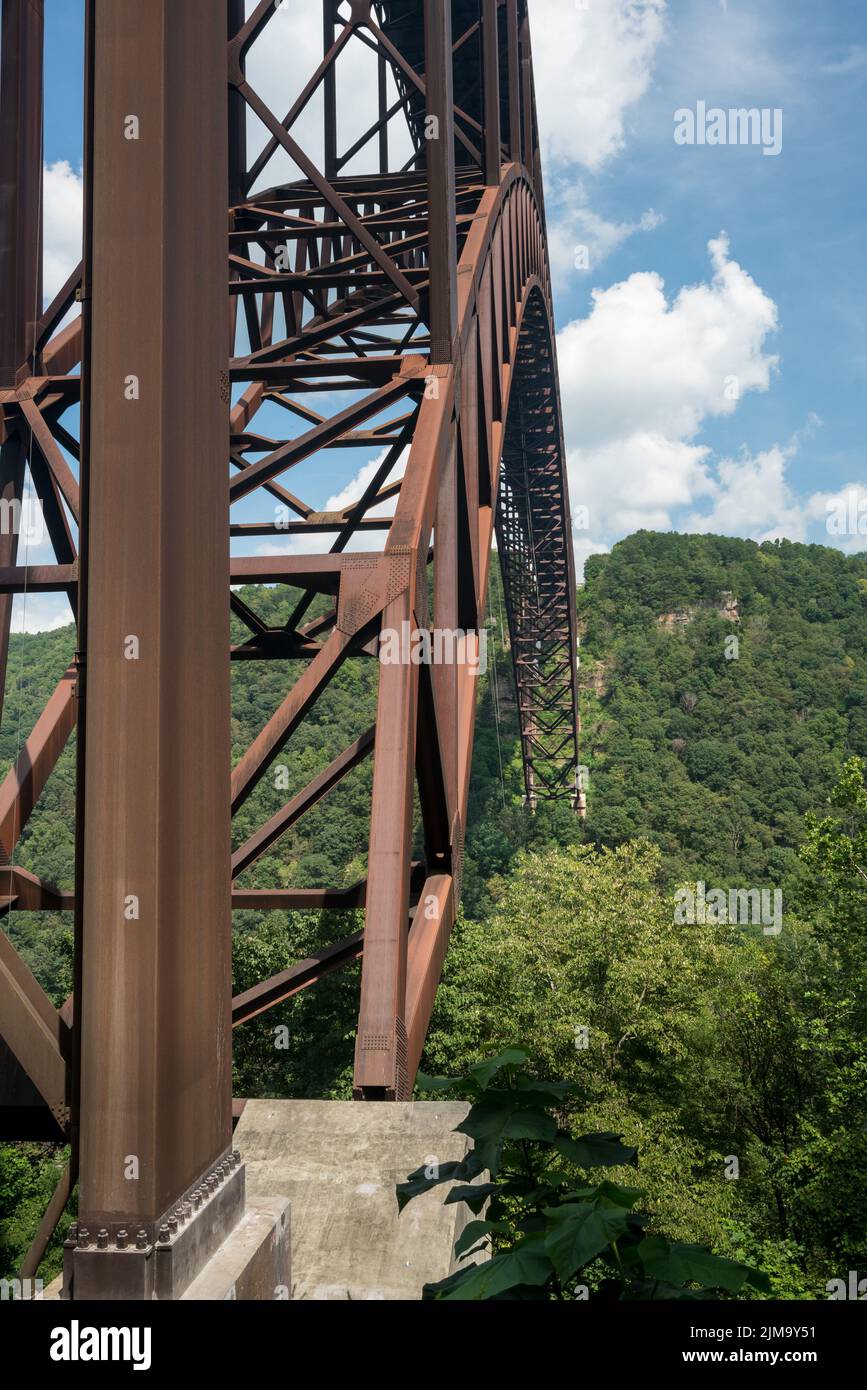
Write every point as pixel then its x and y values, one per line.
pixel 339 1162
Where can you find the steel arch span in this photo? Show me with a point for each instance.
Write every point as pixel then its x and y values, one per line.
pixel 389 306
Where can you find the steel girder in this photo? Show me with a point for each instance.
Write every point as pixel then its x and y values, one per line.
pixel 404 313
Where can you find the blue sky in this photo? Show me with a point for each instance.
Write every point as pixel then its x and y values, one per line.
pixel 711 269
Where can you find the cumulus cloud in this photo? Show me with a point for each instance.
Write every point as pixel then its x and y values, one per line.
pixel 579 239
pixel 640 375
pixel 641 363
pixel 751 496
pixel 39 613
pixel 63 202
pixel 591 63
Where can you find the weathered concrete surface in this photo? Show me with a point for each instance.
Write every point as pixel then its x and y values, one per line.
pixel 253 1261
pixel 338 1162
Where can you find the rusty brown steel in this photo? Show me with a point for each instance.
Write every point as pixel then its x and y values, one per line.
pixel 20 254
pixel 418 298
pixel 154 1007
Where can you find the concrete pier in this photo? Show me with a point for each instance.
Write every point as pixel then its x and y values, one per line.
pixel 338 1162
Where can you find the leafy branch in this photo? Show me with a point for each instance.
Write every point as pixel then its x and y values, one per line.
pixel 543 1230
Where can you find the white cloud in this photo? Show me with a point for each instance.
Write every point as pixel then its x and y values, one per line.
pixel 591 63
pixel 752 497
pixel 363 477
pixel 62 216
pixel 639 363
pixel 40 613
pixel 639 377
pixel 572 224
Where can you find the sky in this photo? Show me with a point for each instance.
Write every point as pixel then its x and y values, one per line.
pixel 709 296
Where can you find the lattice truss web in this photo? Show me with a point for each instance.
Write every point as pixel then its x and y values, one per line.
pixel 393 398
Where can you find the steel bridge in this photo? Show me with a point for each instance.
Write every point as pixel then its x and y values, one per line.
pixel 400 316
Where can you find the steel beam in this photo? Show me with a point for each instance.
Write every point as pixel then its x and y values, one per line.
pixel 491 82
pixel 156 981
pixel 423 295
pixel 440 155
pixel 21 61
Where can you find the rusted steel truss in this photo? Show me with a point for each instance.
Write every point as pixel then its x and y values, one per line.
pixel 401 316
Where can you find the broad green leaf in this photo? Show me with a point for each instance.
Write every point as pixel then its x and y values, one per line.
pixel 602 1150
pixel 474 1194
pixel 491 1122
pixel 581 1231
pixel 526 1263
pixel 557 1090
pixel 484 1072
pixel 679 1264
pixel 657 1290
pixel 437 1083
pixel 474 1230
pixel 613 1192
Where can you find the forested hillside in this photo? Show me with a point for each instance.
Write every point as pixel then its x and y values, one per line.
pixel 714 748
pixel 724 697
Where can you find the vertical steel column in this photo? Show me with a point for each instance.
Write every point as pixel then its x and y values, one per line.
pixel 440 134
pixel 20 250
pixel 527 94
pixel 491 76
pixel 20 183
pixel 156 974
pixel 237 115
pixel 329 87
pixel 514 81
pixel 382 94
